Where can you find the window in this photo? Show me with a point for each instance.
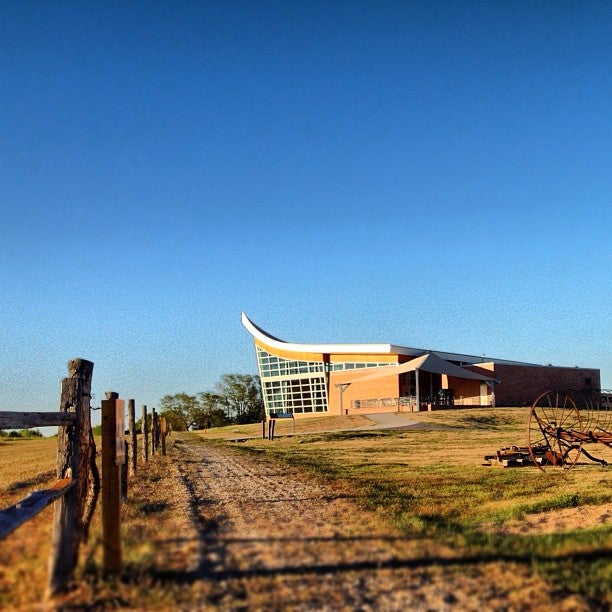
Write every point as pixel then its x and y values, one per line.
pixel 350 365
pixel 292 386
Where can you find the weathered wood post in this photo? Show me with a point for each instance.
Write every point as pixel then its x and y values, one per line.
pixel 153 430
pixel 124 472
pixel 73 455
pixel 164 432
pixel 145 435
pixel 112 456
pixel 157 432
pixel 263 429
pixel 271 428
pixel 133 436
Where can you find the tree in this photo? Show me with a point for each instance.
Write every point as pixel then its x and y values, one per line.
pixel 21 433
pixel 237 399
pixel 241 396
pixel 212 410
pixel 180 410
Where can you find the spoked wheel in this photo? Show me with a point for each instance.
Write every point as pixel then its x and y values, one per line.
pixel 554 430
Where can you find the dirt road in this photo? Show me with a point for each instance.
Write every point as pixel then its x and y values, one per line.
pixel 273 539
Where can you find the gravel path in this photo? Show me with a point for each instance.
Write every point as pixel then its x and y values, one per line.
pixel 271 539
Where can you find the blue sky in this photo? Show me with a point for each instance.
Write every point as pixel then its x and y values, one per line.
pixel 432 174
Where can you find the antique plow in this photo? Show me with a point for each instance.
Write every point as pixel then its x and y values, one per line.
pixel 562 423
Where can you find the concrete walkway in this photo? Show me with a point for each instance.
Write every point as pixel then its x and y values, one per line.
pixel 387 420
pixel 390 420
pixel 380 421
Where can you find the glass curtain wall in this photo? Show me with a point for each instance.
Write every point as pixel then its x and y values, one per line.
pixel 291 386
pixel 299 387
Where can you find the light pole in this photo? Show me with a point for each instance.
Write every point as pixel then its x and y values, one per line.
pixel 342 388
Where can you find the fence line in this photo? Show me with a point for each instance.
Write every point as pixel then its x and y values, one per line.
pixel 133 435
pixel 78 484
pixel 27 508
pixel 145 435
pixel 71 491
pixel 75 450
pixel 113 457
pixel 26 420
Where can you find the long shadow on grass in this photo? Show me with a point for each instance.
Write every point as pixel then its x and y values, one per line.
pixel 41 478
pixel 215 560
pixel 211 550
pixel 218 571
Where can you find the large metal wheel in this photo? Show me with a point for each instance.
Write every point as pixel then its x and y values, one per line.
pixel 554 431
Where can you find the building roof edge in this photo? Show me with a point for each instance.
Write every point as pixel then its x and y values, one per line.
pixel 264 337
pixel 376 349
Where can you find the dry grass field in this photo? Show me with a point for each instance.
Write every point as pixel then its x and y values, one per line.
pixel 157 505
pixel 286 426
pixel 427 484
pixel 432 483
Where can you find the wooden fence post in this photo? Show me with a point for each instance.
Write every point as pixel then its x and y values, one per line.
pixel 133 437
pixel 73 456
pixel 153 428
pixel 112 454
pixel 164 432
pixel 157 431
pixel 145 435
pixel 124 471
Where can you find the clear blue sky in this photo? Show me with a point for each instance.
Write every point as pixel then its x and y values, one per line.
pixel 431 174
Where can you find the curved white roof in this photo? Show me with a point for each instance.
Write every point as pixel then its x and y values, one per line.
pixel 376 349
pixel 381 349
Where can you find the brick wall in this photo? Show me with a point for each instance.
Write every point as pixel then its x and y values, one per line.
pixel 520 385
pixel 467 392
pixel 377 388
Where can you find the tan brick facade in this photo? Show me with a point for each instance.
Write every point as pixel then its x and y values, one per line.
pixel 520 385
pixel 373 389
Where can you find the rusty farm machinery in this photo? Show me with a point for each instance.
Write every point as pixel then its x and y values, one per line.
pixel 560 425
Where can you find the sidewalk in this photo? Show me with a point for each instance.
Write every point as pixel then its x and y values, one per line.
pixel 387 420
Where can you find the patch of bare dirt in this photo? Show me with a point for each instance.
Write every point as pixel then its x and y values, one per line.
pixel 565 519
pixel 272 539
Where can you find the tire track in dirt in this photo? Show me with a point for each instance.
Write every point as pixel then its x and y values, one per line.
pixel 273 539
pixel 263 517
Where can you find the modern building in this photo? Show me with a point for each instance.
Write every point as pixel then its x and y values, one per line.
pixel 319 379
